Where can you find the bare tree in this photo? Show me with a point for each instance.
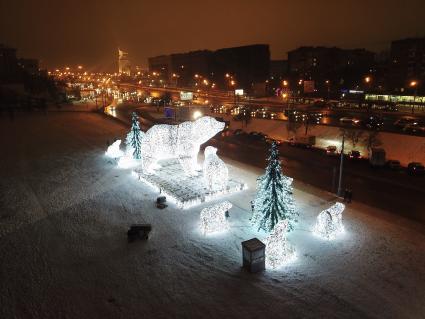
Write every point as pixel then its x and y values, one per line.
pixel 371 140
pixel 308 122
pixel 292 127
pixel 352 135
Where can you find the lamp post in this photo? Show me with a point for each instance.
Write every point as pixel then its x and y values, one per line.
pixel 414 84
pixel 328 87
pixel 341 163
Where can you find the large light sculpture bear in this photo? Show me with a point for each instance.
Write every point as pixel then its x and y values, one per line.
pixel 213 218
pixel 180 141
pixel 278 250
pixel 216 174
pixel 329 222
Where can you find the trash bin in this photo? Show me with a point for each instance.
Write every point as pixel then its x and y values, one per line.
pixel 253 255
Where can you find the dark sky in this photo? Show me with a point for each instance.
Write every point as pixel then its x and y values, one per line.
pixel 88 32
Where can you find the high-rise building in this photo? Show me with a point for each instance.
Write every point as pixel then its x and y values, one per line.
pixel 339 66
pixel 407 64
pixel 124 66
pixel 243 66
pixel 8 63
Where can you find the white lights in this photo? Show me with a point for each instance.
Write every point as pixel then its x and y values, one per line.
pixel 215 170
pixel 185 191
pixel 329 222
pixel 180 141
pixel 197 114
pixel 114 150
pixel 278 250
pixel 213 218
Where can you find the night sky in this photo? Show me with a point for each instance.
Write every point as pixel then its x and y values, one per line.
pixel 88 32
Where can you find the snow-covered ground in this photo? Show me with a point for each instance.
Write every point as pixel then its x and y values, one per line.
pixel 65 209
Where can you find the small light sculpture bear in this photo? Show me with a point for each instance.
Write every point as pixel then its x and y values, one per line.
pixel 329 222
pixel 213 218
pixel 113 150
pixel 216 174
pixel 278 249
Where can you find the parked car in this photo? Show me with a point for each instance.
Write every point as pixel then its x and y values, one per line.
pixel 394 165
pixel 302 141
pixel 416 168
pixel 414 127
pixel 401 123
pixel 331 150
pixel 355 155
pixel 349 120
pixel 374 123
pixel 271 140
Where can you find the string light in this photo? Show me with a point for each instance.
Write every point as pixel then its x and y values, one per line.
pixel 216 174
pixel 329 222
pixel 213 218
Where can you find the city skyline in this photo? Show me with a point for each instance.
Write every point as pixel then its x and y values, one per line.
pixel 145 29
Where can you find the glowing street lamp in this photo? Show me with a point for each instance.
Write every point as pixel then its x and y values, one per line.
pixel 367 79
pixel 414 84
pixel 285 83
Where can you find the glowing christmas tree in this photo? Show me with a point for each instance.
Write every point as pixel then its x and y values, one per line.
pixel 274 200
pixel 134 137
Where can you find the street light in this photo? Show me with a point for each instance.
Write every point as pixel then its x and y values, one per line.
pixel 328 86
pixel 414 84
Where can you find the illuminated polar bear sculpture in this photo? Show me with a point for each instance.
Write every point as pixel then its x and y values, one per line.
pixel 278 250
pixel 114 150
pixel 329 221
pixel 213 218
pixel 215 171
pixel 180 141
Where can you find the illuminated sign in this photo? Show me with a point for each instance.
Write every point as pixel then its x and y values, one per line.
pixel 239 92
pixel 186 96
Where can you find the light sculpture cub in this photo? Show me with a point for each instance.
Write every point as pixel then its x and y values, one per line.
pixel 329 221
pixel 213 218
pixel 114 151
pixel 216 174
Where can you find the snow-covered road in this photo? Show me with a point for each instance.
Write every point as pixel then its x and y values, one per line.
pixel 65 209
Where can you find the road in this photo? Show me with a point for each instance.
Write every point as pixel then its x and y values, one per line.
pixel 330 116
pixel 391 191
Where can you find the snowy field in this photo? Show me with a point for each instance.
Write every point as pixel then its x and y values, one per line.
pixel 64 213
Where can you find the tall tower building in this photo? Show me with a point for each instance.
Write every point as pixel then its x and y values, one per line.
pixel 124 66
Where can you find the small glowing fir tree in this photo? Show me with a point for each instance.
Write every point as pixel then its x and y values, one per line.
pixel 274 200
pixel 134 137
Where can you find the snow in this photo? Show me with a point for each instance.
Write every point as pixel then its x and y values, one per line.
pixel 65 209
